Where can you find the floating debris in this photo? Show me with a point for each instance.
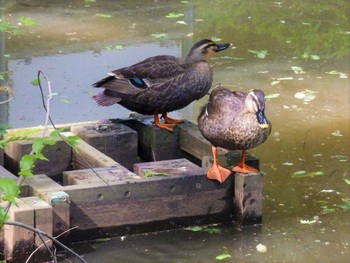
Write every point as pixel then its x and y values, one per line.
pixel 287 163
pixel 261 248
pixel 302 174
pixel 297 70
pixel 174 15
pixel 341 74
pixel 337 133
pixel 309 222
pixel 272 96
pixel 305 95
pixel 259 53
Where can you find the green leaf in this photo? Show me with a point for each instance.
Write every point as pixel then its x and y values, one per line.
pixel 159 35
pixel 327 210
pixel 196 228
pixel 72 140
pixel 347 181
pixel 302 174
pixel 212 230
pixel 216 39
pixel 3 217
pixel 38 145
pixel 26 165
pixel 174 15
pixel 119 47
pixel 27 21
pixel 259 53
pixel 222 256
pixel 272 96
pixel 35 82
pixel 9 189
pixel 151 174
pixel 56 133
pixel 40 156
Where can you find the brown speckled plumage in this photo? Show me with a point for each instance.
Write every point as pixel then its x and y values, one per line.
pixel 227 122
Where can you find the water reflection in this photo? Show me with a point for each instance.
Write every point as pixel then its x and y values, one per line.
pixel 304 74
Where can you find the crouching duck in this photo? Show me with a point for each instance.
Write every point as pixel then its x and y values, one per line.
pixel 160 84
pixel 233 120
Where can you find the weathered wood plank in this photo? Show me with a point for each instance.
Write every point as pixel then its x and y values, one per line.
pixel 168 167
pixel 19 241
pixel 142 201
pixel 86 156
pixel 97 175
pixel 248 199
pixel 115 140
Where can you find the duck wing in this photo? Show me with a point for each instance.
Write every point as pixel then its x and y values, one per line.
pixel 133 79
pixel 223 102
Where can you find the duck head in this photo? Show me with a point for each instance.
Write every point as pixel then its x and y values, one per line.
pixel 255 103
pixel 205 49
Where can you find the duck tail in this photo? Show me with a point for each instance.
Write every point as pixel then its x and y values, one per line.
pixel 104 100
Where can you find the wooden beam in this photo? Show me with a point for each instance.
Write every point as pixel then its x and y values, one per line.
pixel 248 199
pixel 114 140
pixel 86 156
pixel 107 175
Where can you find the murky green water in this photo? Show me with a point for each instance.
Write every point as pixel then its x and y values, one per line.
pixel 304 74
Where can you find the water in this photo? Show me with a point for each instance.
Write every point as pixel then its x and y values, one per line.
pixel 305 75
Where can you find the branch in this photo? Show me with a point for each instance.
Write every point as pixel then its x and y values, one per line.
pixel 44 244
pixel 39 232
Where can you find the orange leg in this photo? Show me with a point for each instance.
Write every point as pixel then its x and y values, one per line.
pixel 166 126
pixel 170 120
pixel 217 172
pixel 242 167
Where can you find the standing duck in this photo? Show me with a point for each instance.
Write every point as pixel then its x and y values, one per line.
pixel 160 84
pixel 233 120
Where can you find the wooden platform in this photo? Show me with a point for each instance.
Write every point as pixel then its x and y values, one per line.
pixel 126 177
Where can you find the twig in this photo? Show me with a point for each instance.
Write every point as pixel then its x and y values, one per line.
pixel 305 139
pixel 39 232
pixel 44 244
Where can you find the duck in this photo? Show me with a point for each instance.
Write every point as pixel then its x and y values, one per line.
pixel 161 84
pixel 233 120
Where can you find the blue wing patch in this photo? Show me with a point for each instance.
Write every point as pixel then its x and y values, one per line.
pixel 138 83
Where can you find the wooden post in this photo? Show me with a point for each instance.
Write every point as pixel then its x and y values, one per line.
pixel 155 144
pixel 19 241
pixel 42 221
pixel 115 140
pixel 59 156
pixel 248 199
pixel 41 185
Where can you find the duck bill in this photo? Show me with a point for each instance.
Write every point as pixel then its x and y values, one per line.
pixel 263 123
pixel 221 47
